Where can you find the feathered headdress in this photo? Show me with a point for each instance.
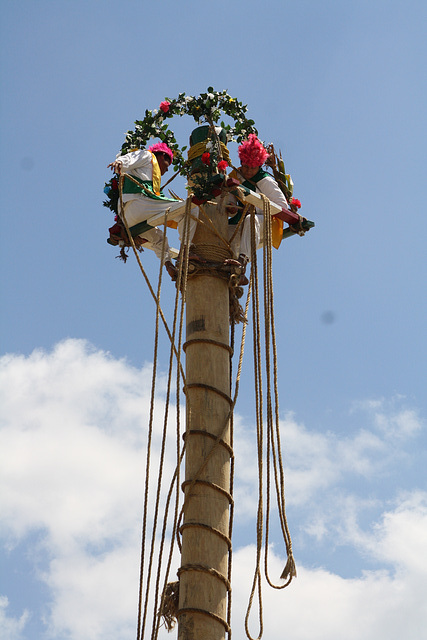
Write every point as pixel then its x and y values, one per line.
pixel 161 147
pixel 252 152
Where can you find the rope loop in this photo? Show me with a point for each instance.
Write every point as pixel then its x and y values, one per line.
pixel 206 613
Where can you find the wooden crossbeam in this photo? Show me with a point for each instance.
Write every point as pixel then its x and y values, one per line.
pixel 243 194
pixel 293 219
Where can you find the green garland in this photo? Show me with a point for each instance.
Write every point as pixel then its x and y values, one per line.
pixel 205 108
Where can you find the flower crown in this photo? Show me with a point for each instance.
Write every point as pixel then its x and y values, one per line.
pixel 252 152
pixel 161 147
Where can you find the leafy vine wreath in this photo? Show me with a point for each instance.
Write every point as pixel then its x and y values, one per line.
pixel 205 108
pixel 211 168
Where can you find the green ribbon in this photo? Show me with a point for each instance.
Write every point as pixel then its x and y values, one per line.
pixel 146 189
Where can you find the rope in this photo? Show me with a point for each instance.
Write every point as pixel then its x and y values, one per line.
pixel 236 392
pixel 245 211
pixel 273 456
pixel 198 149
pixel 150 288
pixel 218 441
pixel 142 623
pixel 142 617
pixel 221 490
pixel 273 444
pixel 150 431
pixel 207 221
pixel 200 432
pixel 207 341
pixel 256 583
pixel 170 604
pixel 273 422
pixel 207 527
pixel 211 253
pixel 208 387
pixel 205 569
pixel 206 613
pixel 181 284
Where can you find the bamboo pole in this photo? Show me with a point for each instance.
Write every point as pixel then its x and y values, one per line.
pixel 205 543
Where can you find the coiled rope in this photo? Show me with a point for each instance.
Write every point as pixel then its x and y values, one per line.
pixel 196 150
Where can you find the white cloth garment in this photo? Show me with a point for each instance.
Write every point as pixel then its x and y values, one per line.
pixel 138 206
pixel 241 244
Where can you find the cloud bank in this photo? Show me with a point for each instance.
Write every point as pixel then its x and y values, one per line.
pixel 72 464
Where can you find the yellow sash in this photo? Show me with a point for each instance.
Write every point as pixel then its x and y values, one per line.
pixel 157 176
pixel 276 232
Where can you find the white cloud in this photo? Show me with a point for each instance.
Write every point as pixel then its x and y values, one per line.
pixel 73 419
pixel 391 419
pixel 72 469
pixel 94 595
pixel 377 605
pixel 11 628
pixel 72 463
pixel 400 538
pixel 315 462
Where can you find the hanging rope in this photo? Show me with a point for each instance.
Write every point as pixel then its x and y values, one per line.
pixel 273 444
pixel 147 281
pixel 273 421
pixel 142 609
pixel 142 616
pixel 256 583
pixel 165 599
pixel 175 485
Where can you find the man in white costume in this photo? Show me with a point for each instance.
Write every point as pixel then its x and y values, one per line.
pixel 250 174
pixel 142 196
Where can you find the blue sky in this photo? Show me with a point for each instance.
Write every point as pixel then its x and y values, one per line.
pixel 340 88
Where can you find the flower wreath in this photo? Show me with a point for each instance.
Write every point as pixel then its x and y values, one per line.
pixel 206 108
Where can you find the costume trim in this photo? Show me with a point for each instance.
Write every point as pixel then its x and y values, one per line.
pixel 157 174
pixel 146 189
pixel 251 184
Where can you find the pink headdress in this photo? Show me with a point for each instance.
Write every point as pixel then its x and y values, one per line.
pixel 252 153
pixel 161 147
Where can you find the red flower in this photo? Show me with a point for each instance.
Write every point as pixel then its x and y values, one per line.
pixel 206 158
pixel 114 184
pixel 164 106
pixel 222 165
pixel 295 202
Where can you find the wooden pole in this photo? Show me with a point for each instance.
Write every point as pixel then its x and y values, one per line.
pixel 203 574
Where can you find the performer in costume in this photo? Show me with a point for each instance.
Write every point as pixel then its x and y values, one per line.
pixel 253 155
pixel 145 199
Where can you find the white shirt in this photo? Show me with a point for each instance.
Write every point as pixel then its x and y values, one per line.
pixel 139 164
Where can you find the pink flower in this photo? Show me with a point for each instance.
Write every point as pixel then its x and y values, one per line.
pixel 206 158
pixel 295 202
pixel 222 165
pixel 164 106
